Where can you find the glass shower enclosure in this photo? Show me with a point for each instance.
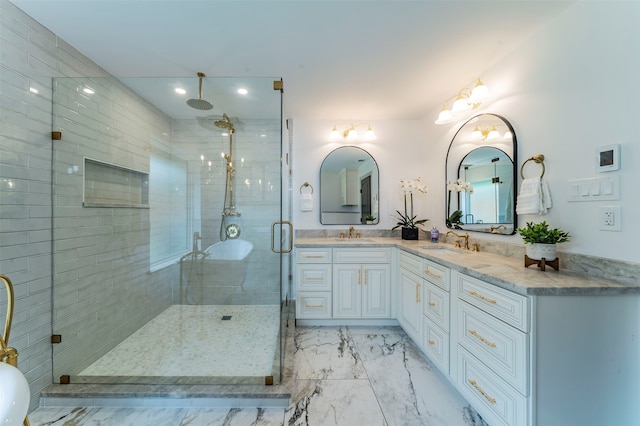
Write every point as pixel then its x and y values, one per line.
pixel 170 252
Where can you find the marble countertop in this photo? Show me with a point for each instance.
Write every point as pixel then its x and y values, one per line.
pixel 506 272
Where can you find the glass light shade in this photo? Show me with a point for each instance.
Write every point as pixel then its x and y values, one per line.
pixel 335 134
pixel 480 93
pixel 460 105
pixel 352 134
pixel 369 135
pixel 476 135
pixel 493 134
pixel 444 116
pixel 508 135
pixel 14 396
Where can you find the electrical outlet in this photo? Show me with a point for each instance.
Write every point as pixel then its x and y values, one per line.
pixel 610 218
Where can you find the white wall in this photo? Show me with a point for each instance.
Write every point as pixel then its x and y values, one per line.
pixel 570 88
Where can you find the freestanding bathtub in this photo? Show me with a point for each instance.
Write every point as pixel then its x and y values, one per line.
pixel 215 278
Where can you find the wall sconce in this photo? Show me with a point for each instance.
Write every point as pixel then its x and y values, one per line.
pixel 466 100
pixel 350 133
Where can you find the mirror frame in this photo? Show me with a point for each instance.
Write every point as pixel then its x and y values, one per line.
pixel 449 176
pixel 375 187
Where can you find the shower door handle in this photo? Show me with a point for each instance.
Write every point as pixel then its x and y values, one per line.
pixel 273 233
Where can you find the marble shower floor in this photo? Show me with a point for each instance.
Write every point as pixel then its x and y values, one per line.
pixel 348 376
pixel 194 340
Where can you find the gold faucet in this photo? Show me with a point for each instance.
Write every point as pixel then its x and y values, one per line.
pixel 465 236
pixel 351 230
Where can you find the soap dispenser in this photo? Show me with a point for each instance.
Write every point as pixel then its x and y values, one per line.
pixel 435 234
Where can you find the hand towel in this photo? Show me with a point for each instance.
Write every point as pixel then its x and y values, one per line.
pixel 306 202
pixel 534 197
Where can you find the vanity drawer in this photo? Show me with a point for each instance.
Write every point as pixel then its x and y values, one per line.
pixel 501 347
pixel 436 345
pixel 313 277
pixel 361 255
pixel 436 305
pixel 510 307
pixel 313 305
pixel 437 274
pixel 497 402
pixel 410 262
pixel 314 255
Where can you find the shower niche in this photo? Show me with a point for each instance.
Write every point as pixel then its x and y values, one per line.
pixel 108 185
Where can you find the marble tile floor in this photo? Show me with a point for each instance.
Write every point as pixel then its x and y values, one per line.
pixel 348 376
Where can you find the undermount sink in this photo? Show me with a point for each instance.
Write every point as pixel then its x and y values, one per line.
pixel 442 250
pixel 354 240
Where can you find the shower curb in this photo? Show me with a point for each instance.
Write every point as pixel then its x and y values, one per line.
pixel 178 396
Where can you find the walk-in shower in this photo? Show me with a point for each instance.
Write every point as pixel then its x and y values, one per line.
pixel 160 279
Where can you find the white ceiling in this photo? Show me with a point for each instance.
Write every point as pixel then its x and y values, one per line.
pixel 347 60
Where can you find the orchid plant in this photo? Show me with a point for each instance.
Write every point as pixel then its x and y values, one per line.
pixel 454 219
pixel 408 219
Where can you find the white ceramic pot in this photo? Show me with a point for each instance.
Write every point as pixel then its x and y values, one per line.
pixel 538 251
pixel 14 396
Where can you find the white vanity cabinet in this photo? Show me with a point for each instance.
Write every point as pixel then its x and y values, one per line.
pixel 410 286
pixel 424 306
pixel 361 283
pixel 343 283
pixel 492 350
pixel 436 314
pixel 313 283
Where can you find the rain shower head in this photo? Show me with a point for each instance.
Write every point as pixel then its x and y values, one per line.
pixel 200 103
pixel 224 123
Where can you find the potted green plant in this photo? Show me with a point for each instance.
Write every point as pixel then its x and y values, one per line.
pixel 369 219
pixel 408 221
pixel 541 240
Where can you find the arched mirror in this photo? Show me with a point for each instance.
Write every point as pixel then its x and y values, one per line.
pixel 481 176
pixel 348 187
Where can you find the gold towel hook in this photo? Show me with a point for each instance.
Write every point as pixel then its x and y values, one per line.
pixel 538 159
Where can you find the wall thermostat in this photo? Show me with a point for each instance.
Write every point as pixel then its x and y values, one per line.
pixel 608 158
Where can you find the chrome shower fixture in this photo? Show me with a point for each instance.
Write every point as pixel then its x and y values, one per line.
pixel 200 103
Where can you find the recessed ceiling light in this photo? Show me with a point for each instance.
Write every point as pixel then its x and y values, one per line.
pixel 243 91
pixel 180 91
pixel 88 91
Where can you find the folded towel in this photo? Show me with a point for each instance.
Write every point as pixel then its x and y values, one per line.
pixel 306 202
pixel 534 197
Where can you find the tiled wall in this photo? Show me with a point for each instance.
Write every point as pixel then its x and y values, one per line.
pixel 86 258
pixel 30 56
pixel 102 288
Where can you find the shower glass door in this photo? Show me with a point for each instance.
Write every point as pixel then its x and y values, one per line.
pixel 165 269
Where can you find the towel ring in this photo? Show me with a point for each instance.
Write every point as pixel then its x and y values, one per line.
pixel 539 159
pixel 306 185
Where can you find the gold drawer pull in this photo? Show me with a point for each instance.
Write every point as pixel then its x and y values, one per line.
pixel 306 305
pixel 314 278
pixel 479 296
pixel 431 342
pixel 434 275
pixel 313 256
pixel 418 293
pixel 482 392
pixel 482 339
pixel 432 304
